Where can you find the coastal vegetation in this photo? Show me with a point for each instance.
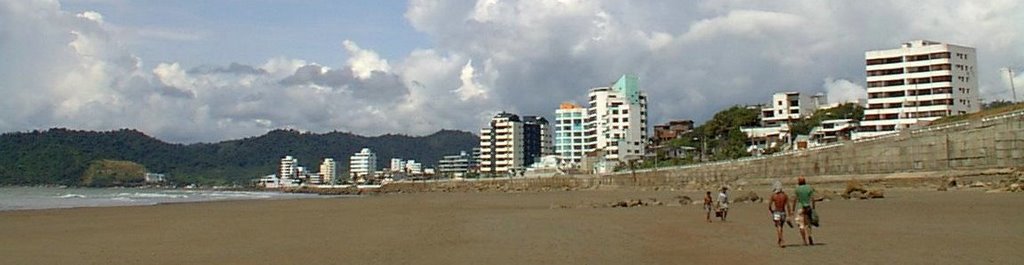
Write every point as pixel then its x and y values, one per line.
pixel 63 156
pixel 719 138
pixel 103 173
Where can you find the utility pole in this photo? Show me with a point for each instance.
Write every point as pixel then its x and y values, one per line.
pixel 1012 88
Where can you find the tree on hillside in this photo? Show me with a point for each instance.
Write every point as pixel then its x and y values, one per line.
pixel 720 138
pixel 844 111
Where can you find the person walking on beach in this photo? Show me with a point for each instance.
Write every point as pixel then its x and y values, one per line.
pixel 707 206
pixel 723 202
pixel 779 210
pixel 804 204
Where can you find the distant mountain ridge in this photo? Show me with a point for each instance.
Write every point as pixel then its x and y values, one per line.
pixel 60 156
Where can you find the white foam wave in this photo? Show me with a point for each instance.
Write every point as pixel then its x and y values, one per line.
pixel 151 195
pixel 70 196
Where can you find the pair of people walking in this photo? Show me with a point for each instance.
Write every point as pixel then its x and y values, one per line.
pixel 721 207
pixel 781 207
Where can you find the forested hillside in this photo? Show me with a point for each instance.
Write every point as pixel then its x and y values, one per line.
pixel 61 156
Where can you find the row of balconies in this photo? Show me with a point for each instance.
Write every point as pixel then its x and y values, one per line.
pixel 908 58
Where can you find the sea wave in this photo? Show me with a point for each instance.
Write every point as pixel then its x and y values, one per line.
pixel 151 195
pixel 71 196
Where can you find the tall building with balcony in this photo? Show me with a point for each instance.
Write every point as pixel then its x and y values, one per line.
pixel 536 139
pixel 289 168
pixel 363 163
pixel 328 171
pixel 616 120
pixel 502 145
pixel 569 124
pixel 918 83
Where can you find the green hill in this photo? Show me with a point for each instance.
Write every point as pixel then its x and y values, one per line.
pixel 61 156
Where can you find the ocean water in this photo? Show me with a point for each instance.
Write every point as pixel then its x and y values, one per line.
pixel 24 198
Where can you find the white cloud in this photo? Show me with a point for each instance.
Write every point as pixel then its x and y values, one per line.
pixel 72 70
pixel 364 62
pixel 842 90
pixel 470 87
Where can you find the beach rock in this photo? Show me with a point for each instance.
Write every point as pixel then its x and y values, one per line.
pixel 978 184
pixel 1016 187
pixel 876 194
pixel 826 195
pixel 684 200
pixel 951 182
pixel 854 186
pixel 942 188
pixel 749 197
pixel 855 195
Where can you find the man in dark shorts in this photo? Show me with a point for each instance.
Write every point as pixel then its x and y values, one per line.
pixel 707 206
pixel 778 210
pixel 804 204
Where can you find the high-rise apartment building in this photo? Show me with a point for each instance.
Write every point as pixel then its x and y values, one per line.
pixel 919 82
pixel 536 139
pixel 328 171
pixel 289 168
pixel 617 120
pixel 502 144
pixel 568 142
pixel 363 163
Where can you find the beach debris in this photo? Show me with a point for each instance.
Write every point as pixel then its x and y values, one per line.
pixel 942 188
pixel 978 184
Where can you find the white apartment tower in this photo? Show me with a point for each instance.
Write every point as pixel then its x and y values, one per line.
pixel 617 120
pixel 919 82
pixel 289 168
pixel 363 163
pixel 502 145
pixel 569 131
pixel 328 171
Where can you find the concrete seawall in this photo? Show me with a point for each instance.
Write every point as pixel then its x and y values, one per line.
pixel 989 146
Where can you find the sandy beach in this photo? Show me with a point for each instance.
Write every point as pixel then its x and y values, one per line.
pixel 907 227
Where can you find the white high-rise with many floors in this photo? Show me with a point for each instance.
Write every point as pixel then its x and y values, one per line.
pixel 919 82
pixel 502 145
pixel 569 143
pixel 617 120
pixel 328 171
pixel 289 168
pixel 363 163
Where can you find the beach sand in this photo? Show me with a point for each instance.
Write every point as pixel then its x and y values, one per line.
pixel 907 227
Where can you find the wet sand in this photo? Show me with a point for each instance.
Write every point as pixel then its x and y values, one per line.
pixel 907 227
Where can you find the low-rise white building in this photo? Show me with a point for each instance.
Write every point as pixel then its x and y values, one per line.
pixel 831 131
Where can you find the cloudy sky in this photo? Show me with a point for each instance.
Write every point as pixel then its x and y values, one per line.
pixel 201 71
